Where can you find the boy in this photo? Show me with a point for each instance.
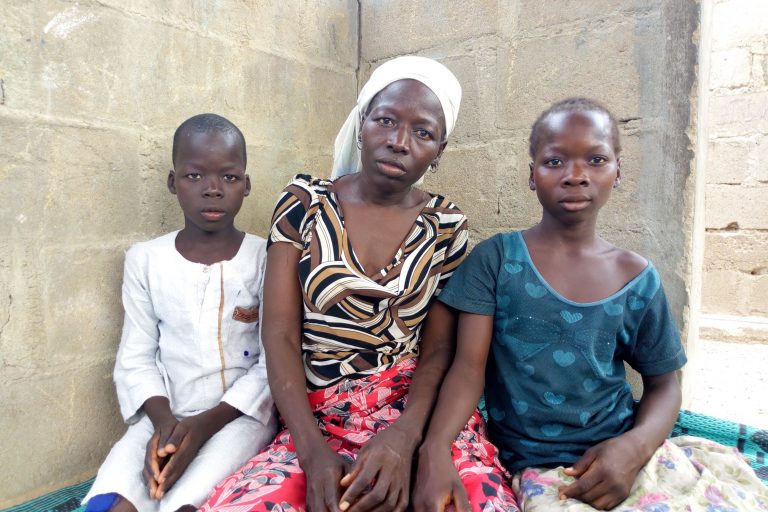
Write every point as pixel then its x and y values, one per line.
pixel 190 373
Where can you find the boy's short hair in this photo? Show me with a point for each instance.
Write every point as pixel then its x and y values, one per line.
pixel 574 104
pixel 207 123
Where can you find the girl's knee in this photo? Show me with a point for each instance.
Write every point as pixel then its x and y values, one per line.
pixel 123 505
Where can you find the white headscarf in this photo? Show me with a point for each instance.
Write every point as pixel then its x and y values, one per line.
pixel 346 155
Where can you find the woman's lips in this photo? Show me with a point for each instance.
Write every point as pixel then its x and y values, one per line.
pixel 391 168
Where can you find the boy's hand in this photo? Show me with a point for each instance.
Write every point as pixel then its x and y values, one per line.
pixel 182 445
pixel 605 473
pixel 381 475
pixel 438 485
pixel 154 460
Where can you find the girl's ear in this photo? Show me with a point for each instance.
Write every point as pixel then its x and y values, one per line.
pixel 531 182
pixel 617 181
pixel 171 182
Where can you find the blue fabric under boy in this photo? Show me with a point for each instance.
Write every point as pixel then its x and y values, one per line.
pixel 101 502
pixel 555 380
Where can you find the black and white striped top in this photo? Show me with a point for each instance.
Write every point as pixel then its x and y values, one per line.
pixel 356 325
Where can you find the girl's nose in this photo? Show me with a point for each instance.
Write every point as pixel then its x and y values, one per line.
pixel 576 175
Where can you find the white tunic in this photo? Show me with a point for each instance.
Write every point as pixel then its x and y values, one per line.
pixel 192 334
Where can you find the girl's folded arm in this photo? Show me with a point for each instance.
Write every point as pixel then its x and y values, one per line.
pixel 657 411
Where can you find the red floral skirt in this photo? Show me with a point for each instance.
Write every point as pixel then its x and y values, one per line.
pixel 349 414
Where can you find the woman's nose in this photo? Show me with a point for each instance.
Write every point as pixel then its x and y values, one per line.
pixel 399 139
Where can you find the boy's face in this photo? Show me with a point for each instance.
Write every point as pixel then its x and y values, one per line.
pixel 209 179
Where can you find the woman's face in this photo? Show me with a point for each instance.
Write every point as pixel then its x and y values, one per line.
pixel 402 133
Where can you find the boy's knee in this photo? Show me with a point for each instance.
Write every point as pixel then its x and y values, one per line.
pixel 123 505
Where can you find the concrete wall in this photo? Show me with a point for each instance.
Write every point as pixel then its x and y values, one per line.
pixel 90 94
pixel 735 280
pixel 514 58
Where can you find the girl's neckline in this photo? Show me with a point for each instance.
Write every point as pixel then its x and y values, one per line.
pixel 397 258
pixel 560 297
pixel 183 258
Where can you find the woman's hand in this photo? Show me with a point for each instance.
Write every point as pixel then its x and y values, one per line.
pixel 438 484
pixel 381 476
pixel 606 472
pixel 324 469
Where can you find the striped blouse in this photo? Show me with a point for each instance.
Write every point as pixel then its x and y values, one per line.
pixel 355 325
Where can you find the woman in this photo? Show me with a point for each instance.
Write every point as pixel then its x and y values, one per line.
pixel 353 267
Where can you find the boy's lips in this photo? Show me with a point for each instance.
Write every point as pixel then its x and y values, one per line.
pixel 212 214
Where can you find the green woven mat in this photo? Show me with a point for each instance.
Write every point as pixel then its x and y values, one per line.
pixel 64 500
pixel 750 441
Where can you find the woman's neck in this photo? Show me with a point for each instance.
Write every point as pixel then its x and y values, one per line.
pixel 365 190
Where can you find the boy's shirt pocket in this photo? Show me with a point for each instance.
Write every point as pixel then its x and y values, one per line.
pixel 246 314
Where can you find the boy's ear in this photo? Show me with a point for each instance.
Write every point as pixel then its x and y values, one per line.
pixel 617 181
pixel 247 186
pixel 172 182
pixel 531 183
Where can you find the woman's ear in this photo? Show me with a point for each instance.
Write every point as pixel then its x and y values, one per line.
pixel 531 182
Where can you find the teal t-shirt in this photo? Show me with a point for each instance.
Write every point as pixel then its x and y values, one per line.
pixel 555 383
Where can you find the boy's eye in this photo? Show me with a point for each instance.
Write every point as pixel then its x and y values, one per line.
pixel 194 176
pixel 597 160
pixel 231 178
pixel 553 162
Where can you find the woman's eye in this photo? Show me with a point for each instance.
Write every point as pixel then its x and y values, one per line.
pixel 597 160
pixel 423 134
pixel 385 121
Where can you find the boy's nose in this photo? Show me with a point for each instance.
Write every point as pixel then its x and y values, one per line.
pixel 212 188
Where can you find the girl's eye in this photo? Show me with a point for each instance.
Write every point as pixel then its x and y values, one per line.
pixel 597 160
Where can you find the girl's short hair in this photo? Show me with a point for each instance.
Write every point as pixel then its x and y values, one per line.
pixel 575 104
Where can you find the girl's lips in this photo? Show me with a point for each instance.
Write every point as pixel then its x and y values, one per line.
pixel 574 205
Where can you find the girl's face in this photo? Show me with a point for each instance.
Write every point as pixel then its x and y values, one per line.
pixel 575 166
pixel 402 133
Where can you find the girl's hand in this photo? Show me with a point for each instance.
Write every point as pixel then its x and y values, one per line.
pixel 606 472
pixel 381 476
pixel 153 461
pixel 324 469
pixel 438 484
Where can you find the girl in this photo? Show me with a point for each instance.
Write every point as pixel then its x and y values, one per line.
pixel 561 310
pixel 353 266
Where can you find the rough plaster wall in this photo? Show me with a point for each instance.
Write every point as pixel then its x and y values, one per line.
pixel 514 58
pixel 90 94
pixel 735 280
